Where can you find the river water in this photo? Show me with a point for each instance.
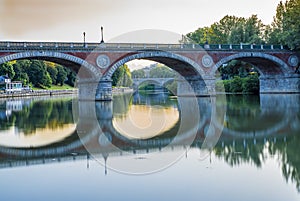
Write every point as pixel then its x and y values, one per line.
pixel 151 146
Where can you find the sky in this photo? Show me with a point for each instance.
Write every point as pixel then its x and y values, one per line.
pixel 66 20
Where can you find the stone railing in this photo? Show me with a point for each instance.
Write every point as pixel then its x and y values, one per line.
pixel 70 46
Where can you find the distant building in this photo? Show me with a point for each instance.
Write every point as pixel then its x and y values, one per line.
pixel 9 86
pixel 4 79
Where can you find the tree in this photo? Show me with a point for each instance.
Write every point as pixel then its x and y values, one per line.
pixel 237 34
pixel 20 68
pixel 122 77
pixel 254 30
pixel 140 73
pixel 236 85
pixel 199 36
pixel 7 69
pixel 162 71
pixel 251 84
pixel 61 74
pixel 291 24
pixel 71 77
pixel 232 30
pixel 53 73
pixel 276 28
pixel 38 75
pixel 285 28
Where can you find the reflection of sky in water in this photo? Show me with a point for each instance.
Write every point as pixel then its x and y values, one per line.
pixel 144 122
pixel 244 167
pixel 188 179
pixel 42 136
pixel 35 121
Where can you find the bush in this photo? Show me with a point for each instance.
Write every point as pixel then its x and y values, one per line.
pixel 248 84
pixel 227 84
pixel 236 85
pixel 251 84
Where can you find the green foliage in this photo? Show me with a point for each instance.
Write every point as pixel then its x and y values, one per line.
pixel 61 75
pixel 38 74
pixel 220 86
pixel 291 24
pixel 140 73
pixel 53 73
pixel 227 84
pixel 236 68
pixel 162 71
pixel 284 30
pixel 251 84
pixel 7 69
pixel 236 85
pixel 40 114
pixel 122 77
pixel 71 77
pixel 20 68
pixel 231 30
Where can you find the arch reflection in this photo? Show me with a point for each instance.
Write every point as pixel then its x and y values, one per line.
pixel 35 122
pixel 237 145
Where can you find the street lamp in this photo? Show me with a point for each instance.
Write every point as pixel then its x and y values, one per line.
pixel 83 39
pixel 102 41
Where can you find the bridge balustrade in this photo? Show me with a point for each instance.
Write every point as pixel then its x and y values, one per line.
pixel 7 45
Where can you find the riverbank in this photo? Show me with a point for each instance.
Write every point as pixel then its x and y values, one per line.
pixel 121 90
pixel 39 93
pixel 57 92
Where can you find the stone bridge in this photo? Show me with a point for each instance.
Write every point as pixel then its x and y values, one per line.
pixel 95 63
pixel 157 81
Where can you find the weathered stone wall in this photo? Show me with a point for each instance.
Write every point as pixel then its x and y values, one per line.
pixel 280 84
pixel 196 86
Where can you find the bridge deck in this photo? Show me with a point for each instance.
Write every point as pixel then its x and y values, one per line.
pixel 75 46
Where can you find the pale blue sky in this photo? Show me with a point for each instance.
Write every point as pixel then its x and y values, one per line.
pixel 66 20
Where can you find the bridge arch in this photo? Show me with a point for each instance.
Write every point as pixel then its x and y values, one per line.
pixel 260 60
pixel 157 81
pixel 150 81
pixel 57 57
pixel 168 81
pixel 180 64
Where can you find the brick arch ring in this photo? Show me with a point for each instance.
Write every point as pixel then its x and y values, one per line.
pixel 153 54
pixel 58 55
pixel 283 66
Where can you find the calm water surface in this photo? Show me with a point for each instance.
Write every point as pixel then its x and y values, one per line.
pixel 151 147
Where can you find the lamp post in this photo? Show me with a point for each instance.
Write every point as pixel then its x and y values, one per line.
pixel 83 39
pixel 102 41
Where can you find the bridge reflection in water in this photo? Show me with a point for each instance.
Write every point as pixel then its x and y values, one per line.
pixel 251 127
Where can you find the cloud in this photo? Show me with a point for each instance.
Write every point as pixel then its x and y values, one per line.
pixel 17 17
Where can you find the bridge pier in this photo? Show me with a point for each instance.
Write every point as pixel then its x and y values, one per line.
pixel 95 90
pixel 280 84
pixel 196 86
pixel 104 90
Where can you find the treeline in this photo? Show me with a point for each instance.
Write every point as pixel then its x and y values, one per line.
pixel 122 77
pixel 284 30
pixel 159 71
pixel 38 73
pixel 249 84
pixel 50 114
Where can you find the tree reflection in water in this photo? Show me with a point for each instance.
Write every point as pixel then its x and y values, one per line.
pixel 249 114
pixel 34 114
pixel 256 127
